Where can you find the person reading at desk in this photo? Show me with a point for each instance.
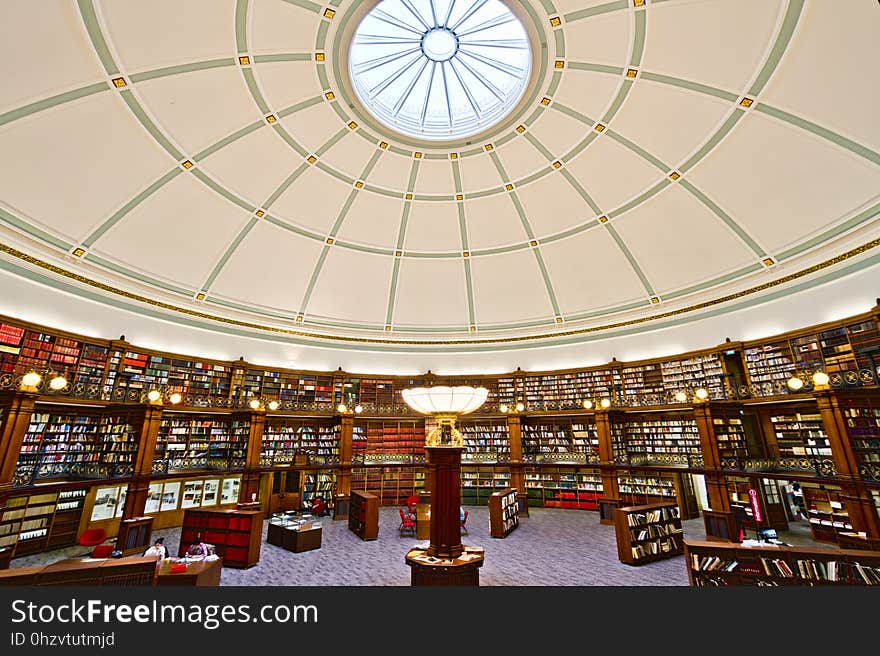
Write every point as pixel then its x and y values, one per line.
pixel 197 548
pixel 158 549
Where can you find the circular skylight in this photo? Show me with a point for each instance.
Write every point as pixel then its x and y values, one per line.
pixel 440 69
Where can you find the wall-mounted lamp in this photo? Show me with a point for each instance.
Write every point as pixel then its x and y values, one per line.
pixel 30 381
pixel 58 383
pixel 175 398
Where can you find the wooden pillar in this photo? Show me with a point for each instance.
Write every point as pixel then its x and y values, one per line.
pixel 855 495
pixel 139 486
pixel 250 480
pixel 445 502
pixel 719 518
pixel 610 489
pixel 343 474
pixel 16 409
pixel 769 432
pixel 517 469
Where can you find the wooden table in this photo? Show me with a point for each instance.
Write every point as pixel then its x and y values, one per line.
pixel 464 570
pixel 288 537
pixel 200 572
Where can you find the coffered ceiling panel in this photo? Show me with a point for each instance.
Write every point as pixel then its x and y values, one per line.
pixel 671 148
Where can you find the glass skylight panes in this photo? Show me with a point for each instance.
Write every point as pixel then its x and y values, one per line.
pixel 440 69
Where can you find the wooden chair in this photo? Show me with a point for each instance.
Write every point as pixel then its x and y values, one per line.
pixel 463 524
pixel 407 524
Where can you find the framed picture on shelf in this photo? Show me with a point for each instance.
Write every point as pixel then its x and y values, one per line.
pixel 154 498
pixel 105 503
pixel 170 496
pixel 209 498
pixel 229 493
pixel 192 494
pixel 120 505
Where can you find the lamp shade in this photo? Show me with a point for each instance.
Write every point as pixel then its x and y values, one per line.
pixel 445 400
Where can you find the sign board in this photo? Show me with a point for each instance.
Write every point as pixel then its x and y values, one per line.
pixel 756 505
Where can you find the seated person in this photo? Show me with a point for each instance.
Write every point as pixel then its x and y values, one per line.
pixel 197 548
pixel 320 507
pixel 158 549
pixel 460 514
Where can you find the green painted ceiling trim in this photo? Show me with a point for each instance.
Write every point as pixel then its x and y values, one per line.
pixel 632 260
pixel 559 36
pixel 595 11
pixel 733 275
pixel 305 4
pixel 321 38
pixel 618 100
pixel 499 249
pixel 638 150
pixel 534 115
pixel 456 175
pixel 300 106
pixel 595 68
pixel 503 140
pixel 789 23
pixel 537 175
pixel 343 211
pixel 380 190
pixel 107 264
pixel 274 220
pixel 689 85
pixel 527 226
pixel 282 57
pixel 339 175
pixel 332 141
pixel 435 156
pixel 366 119
pixel 611 332
pixel 565 109
pixel 256 309
pixel 639 40
pixel 469 283
pixel 322 77
pixel 714 140
pixel 820 131
pixel 314 279
pixel 571 232
pixel 603 312
pixel 229 251
pixel 493 155
pixel 532 139
pixel 181 69
pixel 725 217
pixel 251 82
pixel 462 226
pixel 548 6
pixel 228 195
pixel 33 231
pixel 413 174
pixel 404 219
pixel 574 152
pixel 392 292
pixel 400 151
pixel 434 197
pixel 548 284
pixel 860 218
pixel 371 164
pixel 431 329
pixel 241 9
pixel 235 136
pixel 284 185
pixel 576 185
pixel 368 136
pixel 52 101
pixel 93 27
pixel 130 205
pixel 653 191
pixel 322 321
pixel 429 255
pixel 375 250
pixel 484 328
pixel 289 140
pixel 148 124
pixel 470 152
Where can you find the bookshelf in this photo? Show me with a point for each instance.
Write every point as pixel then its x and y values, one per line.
pixel 26 522
pixel 280 441
pixel 318 482
pixel 503 513
pixel 358 444
pixel 704 371
pixel 730 436
pixel 648 532
pixel 862 416
pixel 563 487
pixel 559 439
pixel 392 485
pixel 826 513
pixel 363 515
pixel 770 366
pixel 639 487
pixel 390 441
pixel 558 391
pixel 65 521
pixel 718 564
pixel 319 441
pixel 479 483
pixel 485 440
pixel 800 434
pixel 235 534
pixel 185 442
pixel 664 439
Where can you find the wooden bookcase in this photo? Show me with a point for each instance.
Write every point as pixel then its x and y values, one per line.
pixel 485 440
pixel 563 487
pixel 503 513
pixel 479 483
pixel 648 533
pixel 134 535
pixel 826 513
pixel 363 515
pixel 235 534
pixel 721 564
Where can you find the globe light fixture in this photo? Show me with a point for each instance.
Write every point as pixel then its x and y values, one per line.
pixel 273 405
pixel 358 409
pixel 254 404
pixel 445 404
pixel 520 406
pixel 605 403
pixel 702 393
pixel 820 379
pixel 30 380
pixel 681 397
pixel 503 408
pixel 795 383
pixel 154 396
pixel 58 383
pixel 175 398
pixel 588 404
pixel 342 408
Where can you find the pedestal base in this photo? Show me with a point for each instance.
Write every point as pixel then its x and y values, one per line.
pixel 428 570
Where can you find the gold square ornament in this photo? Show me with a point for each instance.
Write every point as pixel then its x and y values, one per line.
pixel 329 13
pixel 352 125
pixel 330 95
pixel 270 119
pixel 244 60
pixel 319 56
pixel 408 197
pixel 555 21
pixel 545 101
pixel 187 164
pixel 746 102
pixel 200 296
pixel 599 127
pixel 119 82
pixel 632 72
pixel 79 252
pixel 459 196
pixel 559 64
pixel 260 214
pixel 312 159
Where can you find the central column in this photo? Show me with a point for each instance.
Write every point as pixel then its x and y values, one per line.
pixel 445 466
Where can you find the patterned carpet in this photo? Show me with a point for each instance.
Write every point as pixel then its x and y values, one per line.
pixel 551 547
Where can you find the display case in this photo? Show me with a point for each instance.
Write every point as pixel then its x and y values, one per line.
pixel 294 532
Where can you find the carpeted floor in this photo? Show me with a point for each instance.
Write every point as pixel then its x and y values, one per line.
pixel 551 547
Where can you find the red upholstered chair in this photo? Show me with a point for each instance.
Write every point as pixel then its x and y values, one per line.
pixel 463 522
pixel 407 523
pixel 102 551
pixel 92 537
pixel 411 503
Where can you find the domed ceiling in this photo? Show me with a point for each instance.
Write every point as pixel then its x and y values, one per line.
pixel 210 161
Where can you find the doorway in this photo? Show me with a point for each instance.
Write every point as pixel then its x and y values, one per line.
pixel 285 491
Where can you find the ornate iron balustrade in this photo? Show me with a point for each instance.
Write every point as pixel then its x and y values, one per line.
pixel 694 461
pixel 870 472
pixel 485 457
pixel 819 466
